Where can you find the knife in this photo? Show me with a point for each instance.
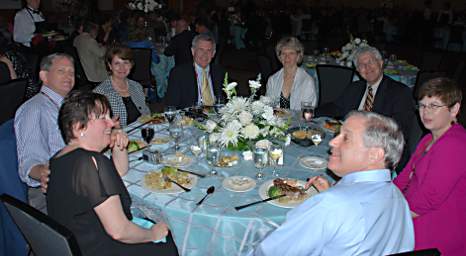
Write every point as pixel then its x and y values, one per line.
pixel 193 173
pixel 138 126
pixel 258 202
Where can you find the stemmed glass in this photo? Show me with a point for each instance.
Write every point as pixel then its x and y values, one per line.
pixel 175 130
pixel 147 134
pixel 275 153
pixel 260 160
pixel 170 113
pixel 316 139
pixel 219 103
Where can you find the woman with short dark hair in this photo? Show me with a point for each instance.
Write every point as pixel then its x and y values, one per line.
pixel 126 97
pixel 434 180
pixel 85 192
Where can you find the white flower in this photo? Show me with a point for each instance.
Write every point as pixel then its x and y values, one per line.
pixel 251 131
pixel 357 41
pixel 231 86
pixel 140 6
pixel 234 125
pixel 210 126
pixel 236 104
pixel 257 107
pixel 268 113
pixel 229 135
pixel 245 118
pixel 131 6
pixel 254 84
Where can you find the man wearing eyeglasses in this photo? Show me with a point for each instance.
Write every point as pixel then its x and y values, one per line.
pixel 376 93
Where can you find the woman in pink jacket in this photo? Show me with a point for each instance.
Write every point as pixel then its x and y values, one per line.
pixel 434 180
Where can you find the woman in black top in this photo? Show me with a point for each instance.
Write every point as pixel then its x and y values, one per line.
pixel 85 192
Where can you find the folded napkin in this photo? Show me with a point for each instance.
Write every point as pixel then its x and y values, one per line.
pixel 147 225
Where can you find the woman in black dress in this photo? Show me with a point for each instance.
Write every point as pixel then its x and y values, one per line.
pixel 85 191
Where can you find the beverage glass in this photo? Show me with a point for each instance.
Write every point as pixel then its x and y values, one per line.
pixel 275 153
pixel 316 139
pixel 170 113
pixel 213 153
pixel 260 155
pixel 147 134
pixel 175 129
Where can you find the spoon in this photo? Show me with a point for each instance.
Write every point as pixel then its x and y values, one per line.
pixel 210 190
pixel 213 172
pixel 166 178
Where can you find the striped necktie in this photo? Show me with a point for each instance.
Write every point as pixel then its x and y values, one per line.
pixel 207 98
pixel 369 103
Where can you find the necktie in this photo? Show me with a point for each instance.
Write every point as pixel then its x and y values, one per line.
pixel 369 103
pixel 207 98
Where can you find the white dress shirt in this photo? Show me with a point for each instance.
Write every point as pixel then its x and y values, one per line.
pixel 24 26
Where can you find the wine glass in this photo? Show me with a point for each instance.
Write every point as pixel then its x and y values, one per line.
pixel 260 160
pixel 219 103
pixel 307 110
pixel 170 113
pixel 195 150
pixel 175 129
pixel 316 139
pixel 147 134
pixel 275 153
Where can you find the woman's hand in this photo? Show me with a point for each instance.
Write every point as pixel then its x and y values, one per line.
pixel 159 231
pixel 319 182
pixel 118 140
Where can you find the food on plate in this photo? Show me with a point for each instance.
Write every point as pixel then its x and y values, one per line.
pixel 225 161
pixel 135 145
pixel 187 121
pixel 156 180
pixel 288 187
pixel 299 134
pixel 332 125
pixel 156 118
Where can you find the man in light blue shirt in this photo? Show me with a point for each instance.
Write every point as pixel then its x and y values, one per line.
pixel 364 213
pixel 37 134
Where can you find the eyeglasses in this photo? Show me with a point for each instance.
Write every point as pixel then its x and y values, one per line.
pixel 432 107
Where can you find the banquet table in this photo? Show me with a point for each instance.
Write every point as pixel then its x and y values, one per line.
pixel 398 70
pixel 215 227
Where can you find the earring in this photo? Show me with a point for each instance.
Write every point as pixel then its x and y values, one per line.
pixel 81 134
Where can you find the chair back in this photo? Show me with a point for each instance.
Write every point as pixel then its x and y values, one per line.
pixel 141 71
pixel 11 240
pixel 81 83
pixel 44 235
pixel 425 75
pixel 425 252
pixel 11 97
pixel 333 80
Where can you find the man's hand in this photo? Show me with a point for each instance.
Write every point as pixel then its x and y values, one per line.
pixel 319 182
pixel 41 173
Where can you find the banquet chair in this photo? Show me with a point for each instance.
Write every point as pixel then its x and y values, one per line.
pixel 44 235
pixel 11 240
pixel 11 97
pixel 82 83
pixel 332 81
pixel 141 70
pixel 425 75
pixel 425 252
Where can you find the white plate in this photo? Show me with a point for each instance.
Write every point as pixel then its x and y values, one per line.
pixel 239 183
pixel 174 188
pixel 179 161
pixel 313 162
pixel 264 188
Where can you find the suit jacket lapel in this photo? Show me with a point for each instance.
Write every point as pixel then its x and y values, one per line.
pixel 194 85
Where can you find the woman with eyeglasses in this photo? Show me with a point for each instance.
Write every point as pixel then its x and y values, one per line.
pixel 434 180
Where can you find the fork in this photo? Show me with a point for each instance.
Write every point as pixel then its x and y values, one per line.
pixel 166 178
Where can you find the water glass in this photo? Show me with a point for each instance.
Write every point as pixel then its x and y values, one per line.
pixel 170 113
pixel 202 143
pixel 260 156
pixel 213 153
pixel 275 154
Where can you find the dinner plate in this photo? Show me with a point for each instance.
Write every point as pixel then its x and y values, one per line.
pixel 174 189
pixel 160 139
pixel 313 162
pixel 239 183
pixel 177 160
pixel 264 188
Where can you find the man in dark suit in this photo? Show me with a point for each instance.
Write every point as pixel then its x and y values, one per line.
pixel 377 93
pixel 198 83
pixel 180 44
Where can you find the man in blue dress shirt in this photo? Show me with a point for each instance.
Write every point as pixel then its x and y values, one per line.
pixel 363 213
pixel 37 134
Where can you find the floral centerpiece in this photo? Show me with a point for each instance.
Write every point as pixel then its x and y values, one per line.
pixel 144 5
pixel 245 120
pixel 348 50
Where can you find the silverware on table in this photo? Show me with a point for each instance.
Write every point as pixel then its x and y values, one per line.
pixel 193 173
pixel 258 202
pixel 210 190
pixel 166 178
